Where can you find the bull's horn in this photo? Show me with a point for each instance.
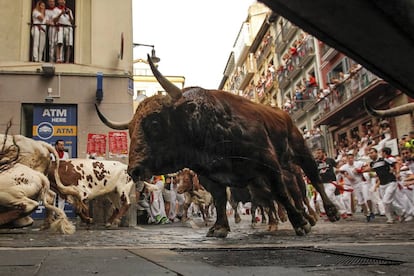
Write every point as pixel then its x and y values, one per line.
pixel 392 112
pixel 109 123
pixel 172 90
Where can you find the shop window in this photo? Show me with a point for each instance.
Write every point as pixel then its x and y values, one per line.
pixel 52 42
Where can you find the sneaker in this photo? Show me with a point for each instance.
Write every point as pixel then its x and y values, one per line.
pixel 370 217
pixel 344 216
pixel 158 219
pixel 408 218
pixel 390 221
pixel 164 220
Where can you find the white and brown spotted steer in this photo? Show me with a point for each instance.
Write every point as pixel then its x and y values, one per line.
pixel 92 179
pixel 21 189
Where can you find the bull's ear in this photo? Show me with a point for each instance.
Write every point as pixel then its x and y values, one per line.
pixel 186 108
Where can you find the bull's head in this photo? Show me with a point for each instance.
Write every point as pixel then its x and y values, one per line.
pixel 392 112
pixel 150 124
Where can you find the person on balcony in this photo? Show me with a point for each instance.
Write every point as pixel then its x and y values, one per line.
pixel 65 21
pixel 39 31
pixel 52 12
pixel 312 86
pixel 299 96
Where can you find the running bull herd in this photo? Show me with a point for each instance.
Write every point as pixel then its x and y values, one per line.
pixel 227 140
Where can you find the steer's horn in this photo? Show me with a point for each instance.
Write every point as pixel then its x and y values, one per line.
pixel 169 87
pixel 392 112
pixel 109 123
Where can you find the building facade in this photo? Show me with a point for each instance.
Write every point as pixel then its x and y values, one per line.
pixel 276 63
pixel 51 97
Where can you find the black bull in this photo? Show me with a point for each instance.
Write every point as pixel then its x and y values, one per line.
pixel 226 139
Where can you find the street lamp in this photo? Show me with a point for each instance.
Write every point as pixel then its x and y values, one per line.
pixel 154 58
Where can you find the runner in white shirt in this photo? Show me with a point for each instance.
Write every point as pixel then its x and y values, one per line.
pixel 353 173
pixel 63 155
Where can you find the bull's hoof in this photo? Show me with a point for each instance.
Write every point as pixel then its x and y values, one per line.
pixel 332 213
pixel 217 233
pixel 272 227
pixel 283 217
pixel 303 230
pixel 23 222
pixel 312 220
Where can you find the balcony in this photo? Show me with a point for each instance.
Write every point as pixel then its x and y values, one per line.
pixel 282 77
pixel 248 69
pixel 280 43
pixel 264 50
pixel 351 89
pixel 242 44
pixel 329 54
pixel 249 93
pixel 288 31
pixel 293 68
pixel 40 50
pixel 306 51
pixel 305 105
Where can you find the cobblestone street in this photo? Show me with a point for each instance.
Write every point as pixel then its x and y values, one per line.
pixel 354 236
pixel 193 234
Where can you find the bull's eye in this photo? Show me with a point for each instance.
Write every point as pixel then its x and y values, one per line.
pixel 153 127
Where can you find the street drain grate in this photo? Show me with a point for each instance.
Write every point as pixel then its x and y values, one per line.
pixel 275 256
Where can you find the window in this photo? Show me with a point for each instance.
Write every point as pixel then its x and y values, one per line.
pixel 52 42
pixel 341 67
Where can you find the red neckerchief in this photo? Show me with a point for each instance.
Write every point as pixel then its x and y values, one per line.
pixel 62 7
pixel 61 153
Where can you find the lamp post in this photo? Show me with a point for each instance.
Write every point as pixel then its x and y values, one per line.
pixel 154 58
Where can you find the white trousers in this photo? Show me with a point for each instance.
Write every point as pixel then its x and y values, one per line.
pixel 39 42
pixel 330 192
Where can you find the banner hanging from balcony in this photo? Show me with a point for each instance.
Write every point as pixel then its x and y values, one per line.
pixel 118 144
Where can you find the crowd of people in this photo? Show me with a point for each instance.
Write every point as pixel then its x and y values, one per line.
pixel 308 90
pixel 366 177
pixel 52 26
pixel 162 204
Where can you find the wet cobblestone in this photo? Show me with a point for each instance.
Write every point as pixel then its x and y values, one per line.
pixel 193 234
